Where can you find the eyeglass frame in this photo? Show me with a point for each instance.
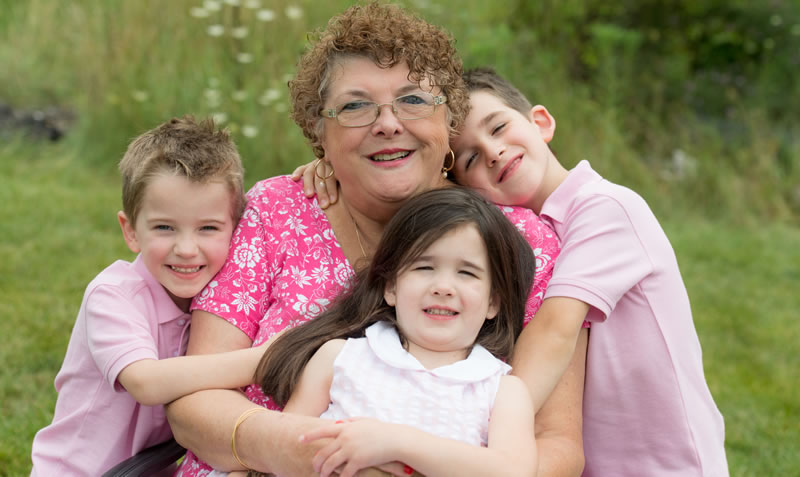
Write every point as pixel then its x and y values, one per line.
pixel 332 114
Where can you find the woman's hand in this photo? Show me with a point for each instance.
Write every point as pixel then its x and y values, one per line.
pixel 318 179
pixel 356 445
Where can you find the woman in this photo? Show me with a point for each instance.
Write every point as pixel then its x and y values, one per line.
pixel 377 95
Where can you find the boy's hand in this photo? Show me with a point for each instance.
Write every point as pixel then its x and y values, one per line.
pixel 319 180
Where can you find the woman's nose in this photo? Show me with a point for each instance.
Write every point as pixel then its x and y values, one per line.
pixel 387 123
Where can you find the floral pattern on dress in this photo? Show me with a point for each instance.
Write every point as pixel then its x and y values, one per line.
pixel 285 266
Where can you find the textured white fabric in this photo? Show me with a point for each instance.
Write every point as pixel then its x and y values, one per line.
pixel 375 377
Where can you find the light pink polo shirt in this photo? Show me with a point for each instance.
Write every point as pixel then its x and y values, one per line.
pixel 647 409
pixel 126 316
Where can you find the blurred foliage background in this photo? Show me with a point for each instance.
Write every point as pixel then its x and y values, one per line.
pixel 694 103
pixel 691 103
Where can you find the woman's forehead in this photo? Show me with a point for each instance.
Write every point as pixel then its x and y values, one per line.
pixel 361 76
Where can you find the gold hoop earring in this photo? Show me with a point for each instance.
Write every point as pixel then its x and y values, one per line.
pixel 446 169
pixel 316 171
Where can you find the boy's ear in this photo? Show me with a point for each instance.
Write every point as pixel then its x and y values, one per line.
pixel 128 232
pixel 389 294
pixel 494 306
pixel 544 121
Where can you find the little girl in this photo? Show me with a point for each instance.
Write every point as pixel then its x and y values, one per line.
pixel 416 348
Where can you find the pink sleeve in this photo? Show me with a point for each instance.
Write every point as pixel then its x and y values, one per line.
pixel 239 292
pixel 602 256
pixel 117 333
pixel 545 247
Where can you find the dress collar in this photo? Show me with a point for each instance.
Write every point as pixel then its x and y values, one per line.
pixel 479 365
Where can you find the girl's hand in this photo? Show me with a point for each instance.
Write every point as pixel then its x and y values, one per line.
pixel 318 179
pixel 357 444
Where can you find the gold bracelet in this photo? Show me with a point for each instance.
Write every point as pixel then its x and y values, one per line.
pixel 239 421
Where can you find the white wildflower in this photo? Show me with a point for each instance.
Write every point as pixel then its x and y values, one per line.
pixel 239 95
pixel 140 96
pixel 253 4
pixel 199 12
pixel 249 131
pixel 269 97
pixel 265 15
pixel 215 30
pixel 219 118
pixel 239 32
pixel 294 12
pixel 244 57
pixel 212 97
pixel 212 5
pixel 233 3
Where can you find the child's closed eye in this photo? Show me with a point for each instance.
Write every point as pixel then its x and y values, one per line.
pixel 498 128
pixel 470 159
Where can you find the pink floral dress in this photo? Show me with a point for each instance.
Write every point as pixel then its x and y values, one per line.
pixel 285 266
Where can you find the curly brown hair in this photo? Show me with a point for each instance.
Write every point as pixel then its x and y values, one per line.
pixel 386 34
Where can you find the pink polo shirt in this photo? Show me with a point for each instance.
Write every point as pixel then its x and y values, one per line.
pixel 126 316
pixel 647 408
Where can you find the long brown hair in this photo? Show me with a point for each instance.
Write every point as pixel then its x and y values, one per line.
pixel 417 225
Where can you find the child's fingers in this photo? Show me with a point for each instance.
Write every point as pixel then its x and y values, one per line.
pixel 396 468
pixel 298 173
pixel 325 184
pixel 334 463
pixel 308 177
pixel 321 432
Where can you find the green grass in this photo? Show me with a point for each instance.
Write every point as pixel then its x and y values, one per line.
pixel 124 66
pixel 58 229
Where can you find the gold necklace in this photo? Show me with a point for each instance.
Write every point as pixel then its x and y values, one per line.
pixel 358 234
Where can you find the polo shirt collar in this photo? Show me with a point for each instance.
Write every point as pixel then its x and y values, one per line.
pixel 479 365
pixel 556 206
pixel 166 309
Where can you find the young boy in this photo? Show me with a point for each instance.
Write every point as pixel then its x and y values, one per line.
pixel 647 408
pixel 182 195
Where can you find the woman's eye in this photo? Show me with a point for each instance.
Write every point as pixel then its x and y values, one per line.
pixel 411 99
pixel 353 106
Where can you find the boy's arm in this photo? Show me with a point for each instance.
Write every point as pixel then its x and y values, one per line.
pixel 152 382
pixel 546 346
pixel 311 396
pixel 559 424
pixel 511 449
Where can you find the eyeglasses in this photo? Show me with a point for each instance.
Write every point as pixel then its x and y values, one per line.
pixel 356 114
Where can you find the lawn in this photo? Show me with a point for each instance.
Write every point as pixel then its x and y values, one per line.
pixel 58 229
